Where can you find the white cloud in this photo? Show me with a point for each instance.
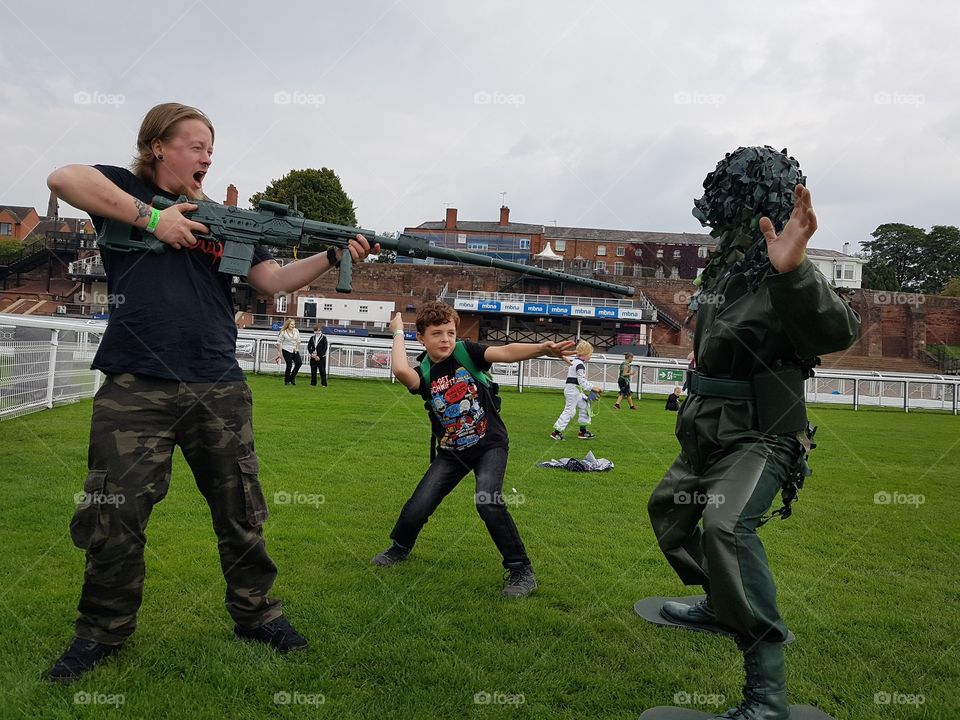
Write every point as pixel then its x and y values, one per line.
pixel 605 114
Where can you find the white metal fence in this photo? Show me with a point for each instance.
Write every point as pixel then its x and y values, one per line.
pixel 45 361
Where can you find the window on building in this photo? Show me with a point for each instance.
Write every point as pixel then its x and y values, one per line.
pixel 703 251
pixel 638 270
pixel 478 246
pixel 6 229
pixel 659 272
pixel 618 268
pixel 561 245
pixel 838 271
pixel 461 239
pixel 676 254
pixel 848 272
pixel 601 249
pixel 660 254
pixel 524 243
pixel 621 251
pixel 281 303
pixel 675 273
pixel 600 265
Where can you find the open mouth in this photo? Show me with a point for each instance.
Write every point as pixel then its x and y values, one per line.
pixel 198 177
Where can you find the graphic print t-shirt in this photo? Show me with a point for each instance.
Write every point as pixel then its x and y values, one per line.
pixel 172 315
pixel 463 417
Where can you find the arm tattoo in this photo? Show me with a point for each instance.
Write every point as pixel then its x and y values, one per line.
pixel 142 210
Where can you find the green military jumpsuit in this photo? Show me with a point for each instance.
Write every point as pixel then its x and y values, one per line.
pixel 736 447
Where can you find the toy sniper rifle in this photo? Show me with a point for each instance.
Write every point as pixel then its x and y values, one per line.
pixel 277 225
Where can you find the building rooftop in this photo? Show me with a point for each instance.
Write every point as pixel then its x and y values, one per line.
pixel 490 227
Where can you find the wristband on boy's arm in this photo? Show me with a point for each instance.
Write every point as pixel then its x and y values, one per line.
pixel 154 220
pixel 398 333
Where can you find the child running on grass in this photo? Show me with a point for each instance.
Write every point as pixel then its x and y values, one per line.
pixel 465 419
pixel 623 382
pixel 575 392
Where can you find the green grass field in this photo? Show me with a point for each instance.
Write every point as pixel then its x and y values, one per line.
pixel 871 589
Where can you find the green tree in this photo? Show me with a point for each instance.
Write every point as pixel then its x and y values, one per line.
pixel 901 248
pixel 952 288
pixel 318 193
pixel 879 276
pixel 940 258
pixel 9 249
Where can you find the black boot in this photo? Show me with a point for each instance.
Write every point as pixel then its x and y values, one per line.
pixel 700 614
pixel 765 688
pixel 80 658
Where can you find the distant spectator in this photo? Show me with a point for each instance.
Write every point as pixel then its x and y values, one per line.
pixel 673 400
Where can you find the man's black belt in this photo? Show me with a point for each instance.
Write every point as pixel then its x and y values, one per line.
pixel 572 381
pixel 778 396
pixel 721 387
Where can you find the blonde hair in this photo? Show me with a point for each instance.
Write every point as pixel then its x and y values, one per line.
pixel 289 324
pixel 584 348
pixel 160 123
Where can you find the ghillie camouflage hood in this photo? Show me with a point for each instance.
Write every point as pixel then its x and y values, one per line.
pixel 747 184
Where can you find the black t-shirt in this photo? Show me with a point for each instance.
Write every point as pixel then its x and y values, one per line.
pixel 462 414
pixel 171 314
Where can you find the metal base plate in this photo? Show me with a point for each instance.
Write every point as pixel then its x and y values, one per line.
pixel 649 610
pixel 797 712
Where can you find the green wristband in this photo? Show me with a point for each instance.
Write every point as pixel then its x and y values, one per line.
pixel 154 220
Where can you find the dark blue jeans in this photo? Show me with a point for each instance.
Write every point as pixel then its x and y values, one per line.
pixel 443 475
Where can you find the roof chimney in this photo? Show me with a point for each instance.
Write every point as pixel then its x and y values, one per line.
pixel 231 195
pixel 53 207
pixel 504 215
pixel 846 248
pixel 451 222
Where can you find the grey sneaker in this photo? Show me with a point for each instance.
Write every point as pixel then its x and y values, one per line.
pixel 586 435
pixel 556 435
pixel 519 582
pixel 391 556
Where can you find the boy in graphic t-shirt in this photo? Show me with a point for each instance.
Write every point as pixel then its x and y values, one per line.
pixel 469 431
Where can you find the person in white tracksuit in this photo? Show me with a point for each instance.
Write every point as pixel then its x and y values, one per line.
pixel 575 390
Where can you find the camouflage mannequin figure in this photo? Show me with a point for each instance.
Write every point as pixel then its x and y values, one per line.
pixel 763 315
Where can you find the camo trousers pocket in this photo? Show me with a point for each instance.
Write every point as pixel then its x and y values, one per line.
pixel 85 525
pixel 255 506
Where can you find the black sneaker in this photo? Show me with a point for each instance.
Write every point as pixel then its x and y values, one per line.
pixel 80 658
pixel 556 435
pixel 391 556
pixel 278 634
pixel 585 435
pixel 519 582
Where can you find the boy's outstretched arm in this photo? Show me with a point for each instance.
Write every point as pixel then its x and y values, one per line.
pixel 514 352
pixel 401 367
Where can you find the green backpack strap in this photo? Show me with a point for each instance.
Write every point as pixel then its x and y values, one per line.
pixel 461 355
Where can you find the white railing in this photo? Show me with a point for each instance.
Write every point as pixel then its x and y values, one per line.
pixel 45 361
pixel 638 301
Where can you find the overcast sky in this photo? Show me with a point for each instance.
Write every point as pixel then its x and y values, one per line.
pixel 600 114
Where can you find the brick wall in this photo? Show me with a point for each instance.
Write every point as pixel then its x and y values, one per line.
pixel 893 324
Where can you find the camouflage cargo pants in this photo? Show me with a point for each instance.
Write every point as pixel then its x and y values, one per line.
pixel 136 423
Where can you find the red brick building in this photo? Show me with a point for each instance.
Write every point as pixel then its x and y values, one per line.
pixel 17 222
